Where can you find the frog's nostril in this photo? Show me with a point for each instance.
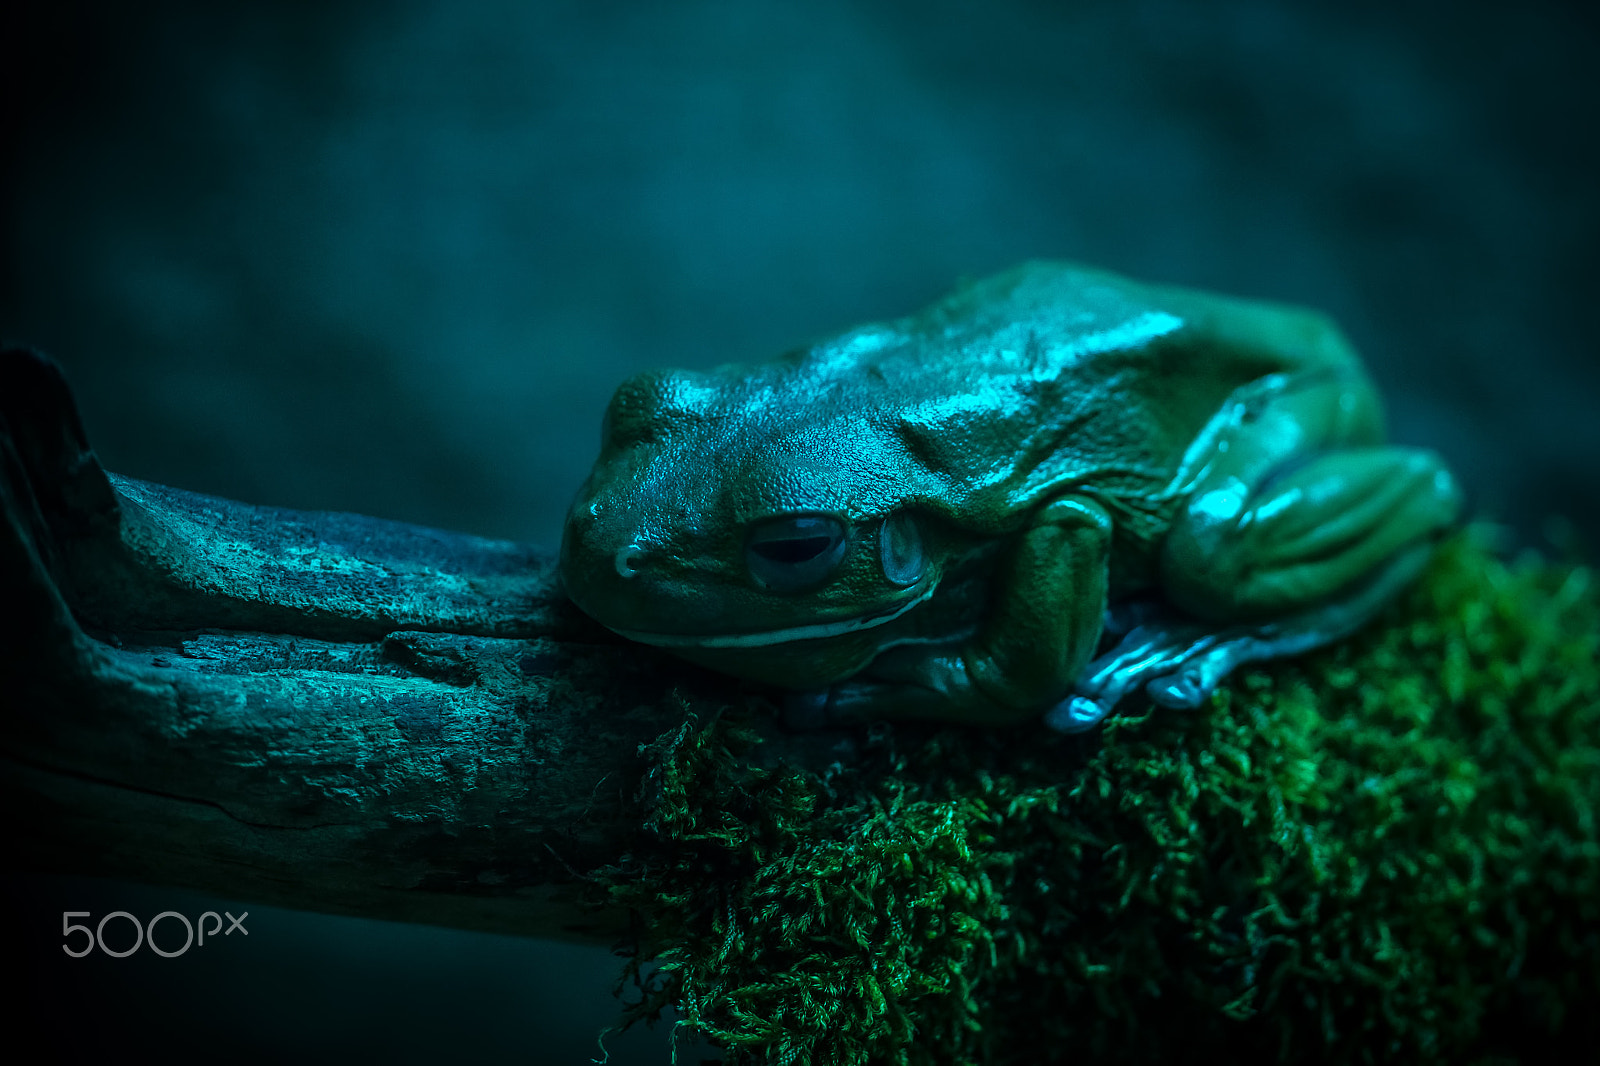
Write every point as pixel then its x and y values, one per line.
pixel 627 560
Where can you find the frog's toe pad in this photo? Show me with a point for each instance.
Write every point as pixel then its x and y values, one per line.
pixel 1075 714
pixel 1182 691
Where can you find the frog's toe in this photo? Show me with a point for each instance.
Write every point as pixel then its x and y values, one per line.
pixel 850 703
pixel 1191 685
pixel 1076 714
pixel 808 710
pixel 1182 691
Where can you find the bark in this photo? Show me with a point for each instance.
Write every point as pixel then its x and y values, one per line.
pixel 323 711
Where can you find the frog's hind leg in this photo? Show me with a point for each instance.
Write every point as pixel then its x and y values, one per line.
pixel 1179 661
pixel 1306 537
pixel 1301 529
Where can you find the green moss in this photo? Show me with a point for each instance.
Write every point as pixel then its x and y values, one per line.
pixel 1386 851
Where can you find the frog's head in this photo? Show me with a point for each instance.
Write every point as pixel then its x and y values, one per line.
pixel 758 534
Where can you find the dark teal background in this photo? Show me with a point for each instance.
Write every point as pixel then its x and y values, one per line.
pixel 392 258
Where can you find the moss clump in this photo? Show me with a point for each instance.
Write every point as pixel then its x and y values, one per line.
pixel 1386 851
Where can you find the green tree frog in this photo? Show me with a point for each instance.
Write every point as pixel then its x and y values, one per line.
pixel 1048 489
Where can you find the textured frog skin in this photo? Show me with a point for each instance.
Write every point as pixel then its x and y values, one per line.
pixel 930 517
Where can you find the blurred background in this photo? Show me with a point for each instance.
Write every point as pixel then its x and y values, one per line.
pixel 392 258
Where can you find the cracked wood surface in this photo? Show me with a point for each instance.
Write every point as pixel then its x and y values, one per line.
pixel 324 711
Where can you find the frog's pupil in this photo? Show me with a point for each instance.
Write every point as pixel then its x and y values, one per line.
pixel 797 550
pixel 792 553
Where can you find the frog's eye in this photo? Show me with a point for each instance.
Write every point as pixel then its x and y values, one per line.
pixel 900 550
pixel 794 552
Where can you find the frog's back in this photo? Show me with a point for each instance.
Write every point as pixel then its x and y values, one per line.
pixel 1052 375
pixel 1087 329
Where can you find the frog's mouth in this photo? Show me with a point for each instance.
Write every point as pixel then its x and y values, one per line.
pixel 815 631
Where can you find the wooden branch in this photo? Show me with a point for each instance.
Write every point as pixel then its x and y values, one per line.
pixel 322 711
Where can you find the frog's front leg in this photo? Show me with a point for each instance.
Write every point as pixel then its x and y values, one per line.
pixel 1041 631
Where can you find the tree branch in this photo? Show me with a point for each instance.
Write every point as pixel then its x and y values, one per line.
pixel 322 711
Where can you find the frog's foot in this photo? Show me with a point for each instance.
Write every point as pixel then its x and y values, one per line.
pixel 1147 655
pixel 808 710
pixel 1179 662
pixel 861 699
